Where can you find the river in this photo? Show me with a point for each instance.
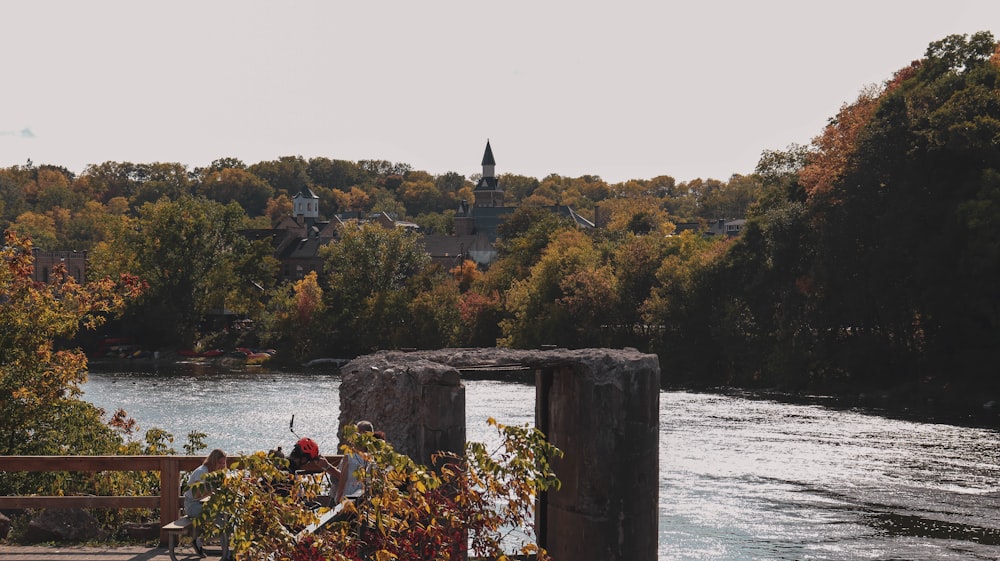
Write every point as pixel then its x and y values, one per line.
pixel 740 478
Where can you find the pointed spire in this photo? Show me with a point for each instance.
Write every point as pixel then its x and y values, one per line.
pixel 488 191
pixel 488 155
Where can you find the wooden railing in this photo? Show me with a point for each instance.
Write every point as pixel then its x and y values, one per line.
pixel 170 468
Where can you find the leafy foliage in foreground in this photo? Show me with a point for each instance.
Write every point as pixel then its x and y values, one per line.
pixel 40 383
pixel 470 505
pixel 40 397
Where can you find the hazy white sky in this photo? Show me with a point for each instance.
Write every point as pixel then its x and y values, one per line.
pixel 619 89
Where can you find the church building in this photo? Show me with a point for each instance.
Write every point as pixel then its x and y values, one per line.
pixel 476 224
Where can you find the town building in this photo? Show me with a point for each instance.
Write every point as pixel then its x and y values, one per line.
pixel 476 224
pixel 297 239
pixel 720 227
pixel 46 262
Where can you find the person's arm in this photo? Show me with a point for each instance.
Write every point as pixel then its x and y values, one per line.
pixel 335 470
pixel 341 474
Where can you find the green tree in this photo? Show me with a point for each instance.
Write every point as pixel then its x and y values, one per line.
pixel 366 285
pixel 517 187
pixel 868 260
pixel 336 174
pixel 195 260
pixel 449 184
pixel 170 180
pixel 901 285
pixel 235 184
pixel 688 310
pixel 90 225
pixel 41 229
pixel 12 202
pixel 112 179
pixel 220 165
pixel 434 313
pixel 437 222
pixel 288 173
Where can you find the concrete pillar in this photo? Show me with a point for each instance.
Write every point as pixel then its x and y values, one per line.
pixel 599 406
pixel 602 410
pixel 420 405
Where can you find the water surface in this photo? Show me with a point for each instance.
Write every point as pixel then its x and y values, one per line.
pixel 740 479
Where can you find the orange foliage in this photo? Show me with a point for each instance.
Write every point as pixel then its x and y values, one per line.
pixel 837 145
pixel 308 298
pixel 466 274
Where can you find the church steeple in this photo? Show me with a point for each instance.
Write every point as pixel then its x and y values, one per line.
pixel 489 164
pixel 488 191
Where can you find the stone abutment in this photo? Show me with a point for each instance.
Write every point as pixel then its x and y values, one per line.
pixel 599 406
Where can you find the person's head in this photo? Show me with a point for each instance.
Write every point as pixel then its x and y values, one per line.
pixel 365 426
pixel 216 460
pixel 306 449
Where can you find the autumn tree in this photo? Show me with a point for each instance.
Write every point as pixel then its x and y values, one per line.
pixel 40 382
pixel 278 208
pixel 565 297
pixel 237 185
pixel 639 215
pixel 293 317
pixel 420 194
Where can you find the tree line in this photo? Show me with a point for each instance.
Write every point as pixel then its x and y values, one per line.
pixel 868 260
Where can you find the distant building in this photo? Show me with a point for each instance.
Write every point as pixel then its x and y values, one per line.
pixel 476 224
pixel 720 227
pixel 46 262
pixel 297 239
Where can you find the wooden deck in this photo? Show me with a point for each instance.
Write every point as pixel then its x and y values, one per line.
pixel 111 553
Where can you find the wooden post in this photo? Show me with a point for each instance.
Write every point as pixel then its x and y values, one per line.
pixel 170 485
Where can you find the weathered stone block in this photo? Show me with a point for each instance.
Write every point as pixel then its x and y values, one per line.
pixel 600 406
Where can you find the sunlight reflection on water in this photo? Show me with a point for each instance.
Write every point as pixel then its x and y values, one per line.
pixel 740 479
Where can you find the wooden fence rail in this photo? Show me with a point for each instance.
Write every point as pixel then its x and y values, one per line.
pixel 170 468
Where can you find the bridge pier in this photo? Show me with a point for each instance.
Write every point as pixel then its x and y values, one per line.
pixel 600 406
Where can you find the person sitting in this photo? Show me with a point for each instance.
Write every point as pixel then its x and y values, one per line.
pixel 305 457
pixel 348 485
pixel 215 461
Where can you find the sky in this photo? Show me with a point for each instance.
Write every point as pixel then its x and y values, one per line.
pixel 623 89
